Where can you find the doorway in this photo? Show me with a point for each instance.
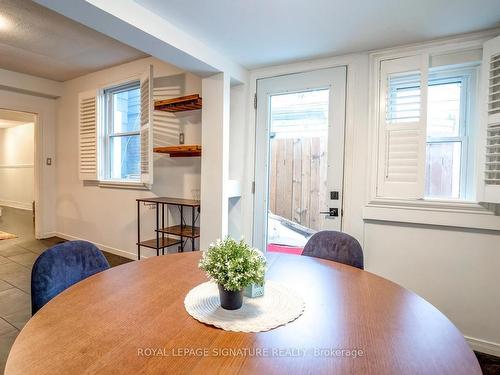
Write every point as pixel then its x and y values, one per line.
pixel 17 174
pixel 299 158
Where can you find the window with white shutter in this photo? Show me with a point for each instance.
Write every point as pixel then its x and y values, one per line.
pixel 490 180
pixel 87 119
pixel 402 127
pixel 115 132
pixel 425 126
pixel 435 117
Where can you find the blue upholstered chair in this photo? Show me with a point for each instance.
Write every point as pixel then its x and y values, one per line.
pixel 61 266
pixel 336 246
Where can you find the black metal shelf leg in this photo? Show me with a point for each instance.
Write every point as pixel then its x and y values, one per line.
pixel 138 230
pixel 193 222
pixel 157 230
pixel 163 226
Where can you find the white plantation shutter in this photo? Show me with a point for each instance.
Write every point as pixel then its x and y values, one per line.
pixel 489 183
pixel 147 107
pixel 87 119
pixel 402 127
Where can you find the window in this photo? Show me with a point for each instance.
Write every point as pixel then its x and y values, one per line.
pixel 447 137
pixel 447 129
pixel 115 134
pixel 436 134
pixel 121 133
pixel 424 147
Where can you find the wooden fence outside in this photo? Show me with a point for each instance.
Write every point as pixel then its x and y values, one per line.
pixel 297 179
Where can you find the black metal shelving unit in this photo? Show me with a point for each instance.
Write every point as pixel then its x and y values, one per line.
pixel 183 233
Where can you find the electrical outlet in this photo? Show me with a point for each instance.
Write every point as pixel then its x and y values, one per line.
pixel 49 161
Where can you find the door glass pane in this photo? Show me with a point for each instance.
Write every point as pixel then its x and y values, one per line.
pixel 443 112
pixel 443 170
pixel 125 157
pixel 298 167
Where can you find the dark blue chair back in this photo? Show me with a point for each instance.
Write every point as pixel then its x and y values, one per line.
pixel 336 246
pixel 61 266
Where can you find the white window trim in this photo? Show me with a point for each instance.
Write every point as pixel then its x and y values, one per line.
pixel 466 214
pixel 102 126
pixel 121 184
pixel 436 213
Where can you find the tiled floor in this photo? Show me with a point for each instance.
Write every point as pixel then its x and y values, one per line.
pixel 16 259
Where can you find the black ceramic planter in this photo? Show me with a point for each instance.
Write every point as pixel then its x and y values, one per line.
pixel 230 300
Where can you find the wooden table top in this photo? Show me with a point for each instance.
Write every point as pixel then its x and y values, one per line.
pixel 172 201
pixel 131 320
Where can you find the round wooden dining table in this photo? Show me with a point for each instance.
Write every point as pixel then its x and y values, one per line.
pixel 131 320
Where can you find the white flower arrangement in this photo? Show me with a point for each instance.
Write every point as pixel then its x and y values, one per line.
pixel 233 264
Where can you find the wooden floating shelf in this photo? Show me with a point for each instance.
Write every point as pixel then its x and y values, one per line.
pixel 180 104
pixel 180 150
pixel 182 230
pixel 164 242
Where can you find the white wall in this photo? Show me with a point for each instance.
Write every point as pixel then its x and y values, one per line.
pixel 454 269
pixel 237 157
pixel 215 158
pixel 107 216
pixel 17 148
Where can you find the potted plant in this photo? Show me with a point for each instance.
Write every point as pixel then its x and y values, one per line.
pixel 233 265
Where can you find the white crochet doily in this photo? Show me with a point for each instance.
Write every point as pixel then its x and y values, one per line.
pixel 279 305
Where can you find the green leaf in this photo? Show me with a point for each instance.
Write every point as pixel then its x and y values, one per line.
pixel 234 265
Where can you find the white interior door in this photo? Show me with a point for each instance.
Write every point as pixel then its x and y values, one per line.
pixel 299 156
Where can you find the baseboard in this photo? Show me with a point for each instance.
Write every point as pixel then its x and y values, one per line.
pixel 20 205
pixel 484 346
pixel 108 249
pixel 45 235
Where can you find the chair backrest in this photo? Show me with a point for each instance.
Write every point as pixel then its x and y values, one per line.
pixel 336 246
pixel 61 266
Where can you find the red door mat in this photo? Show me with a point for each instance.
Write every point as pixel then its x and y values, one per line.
pixel 275 248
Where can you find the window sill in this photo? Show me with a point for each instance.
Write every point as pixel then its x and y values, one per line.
pixel 123 185
pixel 432 212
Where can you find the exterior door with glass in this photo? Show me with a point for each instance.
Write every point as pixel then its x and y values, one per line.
pixel 299 157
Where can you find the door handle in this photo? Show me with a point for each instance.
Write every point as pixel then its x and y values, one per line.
pixel 332 211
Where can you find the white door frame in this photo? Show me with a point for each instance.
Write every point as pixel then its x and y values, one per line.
pixel 306 80
pixel 38 162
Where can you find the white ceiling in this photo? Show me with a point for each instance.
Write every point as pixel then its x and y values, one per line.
pixel 265 32
pixel 9 119
pixel 37 41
